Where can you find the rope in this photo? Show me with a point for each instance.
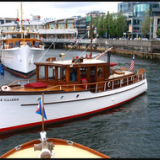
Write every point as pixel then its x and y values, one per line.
pixel 45 52
pixel 75 44
pixel 79 56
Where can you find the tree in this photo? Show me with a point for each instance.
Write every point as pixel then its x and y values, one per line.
pixel 120 24
pixel 146 22
pixel 101 26
pixel 112 21
pixel 158 32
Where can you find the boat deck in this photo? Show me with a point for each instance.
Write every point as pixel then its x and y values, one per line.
pixel 73 87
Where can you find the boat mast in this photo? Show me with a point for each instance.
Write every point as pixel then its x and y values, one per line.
pixel 91 38
pixel 21 18
pixel 17 16
pixel 42 112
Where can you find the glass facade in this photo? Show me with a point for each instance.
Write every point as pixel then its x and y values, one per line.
pixel 140 9
pixel 136 11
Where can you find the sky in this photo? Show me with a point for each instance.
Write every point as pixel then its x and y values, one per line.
pixel 55 10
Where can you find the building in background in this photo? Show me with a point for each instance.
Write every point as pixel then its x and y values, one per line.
pixel 134 11
pixel 95 14
pixel 59 28
pixel 6 20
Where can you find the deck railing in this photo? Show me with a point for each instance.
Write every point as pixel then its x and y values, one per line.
pixel 109 84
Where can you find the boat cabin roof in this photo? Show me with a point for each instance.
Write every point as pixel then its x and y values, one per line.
pixel 76 62
pixel 19 32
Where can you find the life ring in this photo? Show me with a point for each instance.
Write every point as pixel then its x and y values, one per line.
pixel 121 81
pixel 109 84
pixel 5 88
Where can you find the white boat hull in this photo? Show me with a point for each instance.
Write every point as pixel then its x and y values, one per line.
pixel 18 111
pixel 21 59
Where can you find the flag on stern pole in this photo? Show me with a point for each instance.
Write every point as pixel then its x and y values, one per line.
pixel 132 63
pixel 39 109
pixel 75 40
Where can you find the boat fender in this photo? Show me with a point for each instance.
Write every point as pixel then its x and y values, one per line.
pixel 5 88
pixel 109 84
pixel 121 81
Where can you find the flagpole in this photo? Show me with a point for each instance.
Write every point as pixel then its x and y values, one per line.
pixel 42 112
pixel 21 18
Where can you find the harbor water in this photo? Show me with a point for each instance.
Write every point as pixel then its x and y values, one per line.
pixel 131 130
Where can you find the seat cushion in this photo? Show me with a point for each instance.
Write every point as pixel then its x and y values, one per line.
pixel 35 85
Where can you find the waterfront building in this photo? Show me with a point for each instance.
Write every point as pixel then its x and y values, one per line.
pixel 6 20
pixel 134 11
pixel 81 25
pixel 95 14
pixel 59 28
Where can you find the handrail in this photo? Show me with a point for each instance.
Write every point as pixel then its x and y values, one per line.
pixel 70 85
pixel 20 81
pixel 94 83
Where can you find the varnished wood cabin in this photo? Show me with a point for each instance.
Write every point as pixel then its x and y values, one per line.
pixel 21 38
pixel 94 73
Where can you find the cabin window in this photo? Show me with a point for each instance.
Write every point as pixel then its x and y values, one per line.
pixel 51 73
pixel 61 73
pixel 116 82
pixel 9 28
pixel 31 27
pixel 41 72
pixel 92 74
pixel 69 24
pixel 83 72
pixel 99 72
pixel 32 36
pixel 125 80
pixel 4 28
pixel 18 35
pixel 14 36
pixel 73 74
pixel 54 26
pixel 27 35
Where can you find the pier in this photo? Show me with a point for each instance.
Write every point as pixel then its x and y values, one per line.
pixel 143 48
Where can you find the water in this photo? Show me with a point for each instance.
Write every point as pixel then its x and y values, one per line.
pixel 129 131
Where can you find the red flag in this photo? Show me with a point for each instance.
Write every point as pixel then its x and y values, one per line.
pixel 132 63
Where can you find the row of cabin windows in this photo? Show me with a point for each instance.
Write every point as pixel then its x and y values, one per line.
pixel 62 74
pixel 32 27
pixel 20 36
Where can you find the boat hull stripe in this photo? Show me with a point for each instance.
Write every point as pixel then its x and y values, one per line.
pixel 31 125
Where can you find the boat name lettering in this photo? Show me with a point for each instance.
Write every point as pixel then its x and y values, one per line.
pixel 9 99
pixel 7 53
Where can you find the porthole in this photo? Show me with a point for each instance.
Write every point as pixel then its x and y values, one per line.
pixel 62 97
pixel 77 96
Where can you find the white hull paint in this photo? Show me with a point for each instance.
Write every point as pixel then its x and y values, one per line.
pixel 17 110
pixel 21 59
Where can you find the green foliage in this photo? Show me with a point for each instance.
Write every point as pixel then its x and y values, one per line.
pixel 120 24
pixel 114 26
pixel 145 25
pixel 158 31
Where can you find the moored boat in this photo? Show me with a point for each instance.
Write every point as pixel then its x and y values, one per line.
pixel 62 149
pixel 86 86
pixel 20 49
